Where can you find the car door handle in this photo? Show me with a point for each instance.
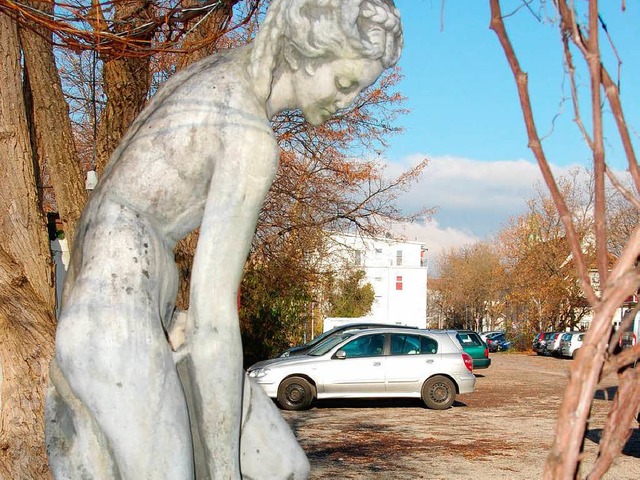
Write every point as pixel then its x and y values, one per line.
pixel 376 364
pixel 429 361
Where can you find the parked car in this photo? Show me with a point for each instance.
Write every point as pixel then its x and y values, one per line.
pixel 552 347
pixel 571 343
pixel 473 344
pixel 498 342
pixel 351 327
pixel 484 335
pixel 372 363
pixel 627 339
pixel 540 342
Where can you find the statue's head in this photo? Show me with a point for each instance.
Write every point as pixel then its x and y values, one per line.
pixel 321 30
pixel 335 48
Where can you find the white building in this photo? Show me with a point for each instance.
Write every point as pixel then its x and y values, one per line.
pixel 396 270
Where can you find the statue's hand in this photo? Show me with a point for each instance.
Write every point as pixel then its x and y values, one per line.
pixel 176 333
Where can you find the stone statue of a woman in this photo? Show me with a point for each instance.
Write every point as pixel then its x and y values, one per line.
pixel 202 153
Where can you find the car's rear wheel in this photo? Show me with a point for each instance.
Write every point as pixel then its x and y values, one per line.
pixel 295 393
pixel 438 392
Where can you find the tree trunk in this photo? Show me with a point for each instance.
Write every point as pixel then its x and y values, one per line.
pixel 126 82
pixel 205 33
pixel 126 85
pixel 27 323
pixel 54 142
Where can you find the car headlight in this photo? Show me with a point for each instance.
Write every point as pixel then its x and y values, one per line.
pixel 259 372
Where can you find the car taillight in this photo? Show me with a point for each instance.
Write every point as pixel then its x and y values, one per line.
pixel 468 361
pixel 486 351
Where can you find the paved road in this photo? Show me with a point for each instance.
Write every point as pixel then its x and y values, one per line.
pixel 504 430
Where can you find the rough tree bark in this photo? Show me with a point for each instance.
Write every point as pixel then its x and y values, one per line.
pixel 52 133
pixel 202 31
pixel 27 323
pixel 125 80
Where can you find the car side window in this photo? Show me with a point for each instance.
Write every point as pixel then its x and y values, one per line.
pixel 403 344
pixel 366 346
pixel 428 345
pixel 467 340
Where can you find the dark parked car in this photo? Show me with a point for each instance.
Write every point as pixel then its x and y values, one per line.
pixel 627 340
pixel 351 327
pixel 475 347
pixel 498 342
pixel 540 342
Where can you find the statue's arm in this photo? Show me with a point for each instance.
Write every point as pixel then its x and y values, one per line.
pixel 237 190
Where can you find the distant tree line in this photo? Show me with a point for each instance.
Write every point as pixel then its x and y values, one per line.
pixel 524 278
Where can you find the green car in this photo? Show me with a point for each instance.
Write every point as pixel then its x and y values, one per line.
pixel 475 347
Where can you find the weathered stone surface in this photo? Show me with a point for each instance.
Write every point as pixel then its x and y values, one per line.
pixel 138 390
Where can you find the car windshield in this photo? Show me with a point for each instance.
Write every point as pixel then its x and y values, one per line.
pixel 321 337
pixel 333 331
pixel 328 344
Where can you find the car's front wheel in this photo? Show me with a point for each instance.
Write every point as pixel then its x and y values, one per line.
pixel 438 393
pixel 295 393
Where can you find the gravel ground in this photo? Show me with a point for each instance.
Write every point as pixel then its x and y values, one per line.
pixel 503 430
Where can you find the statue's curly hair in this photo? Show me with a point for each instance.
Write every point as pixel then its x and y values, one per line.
pixel 325 28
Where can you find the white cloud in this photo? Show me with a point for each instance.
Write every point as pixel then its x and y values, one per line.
pixel 474 199
pixel 437 238
pixel 465 187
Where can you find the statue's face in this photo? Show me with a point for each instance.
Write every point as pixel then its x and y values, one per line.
pixel 333 86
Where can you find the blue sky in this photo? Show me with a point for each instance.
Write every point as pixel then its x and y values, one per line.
pixel 466 118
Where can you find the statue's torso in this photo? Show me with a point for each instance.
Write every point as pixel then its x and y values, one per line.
pixel 164 165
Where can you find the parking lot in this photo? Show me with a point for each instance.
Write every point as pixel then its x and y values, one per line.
pixel 503 430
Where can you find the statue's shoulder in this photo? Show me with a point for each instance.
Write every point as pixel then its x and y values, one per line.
pixel 220 74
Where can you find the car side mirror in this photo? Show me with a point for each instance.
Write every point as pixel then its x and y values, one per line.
pixel 341 355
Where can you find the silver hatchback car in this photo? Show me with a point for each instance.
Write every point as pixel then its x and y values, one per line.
pixel 571 343
pixel 375 363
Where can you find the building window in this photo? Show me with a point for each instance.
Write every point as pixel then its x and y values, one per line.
pixel 358 257
pixel 399 257
pixel 399 282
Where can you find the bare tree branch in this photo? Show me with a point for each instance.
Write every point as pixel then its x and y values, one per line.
pixel 624 278
pixel 535 145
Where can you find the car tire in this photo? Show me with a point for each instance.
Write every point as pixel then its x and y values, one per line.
pixel 295 393
pixel 575 352
pixel 438 393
